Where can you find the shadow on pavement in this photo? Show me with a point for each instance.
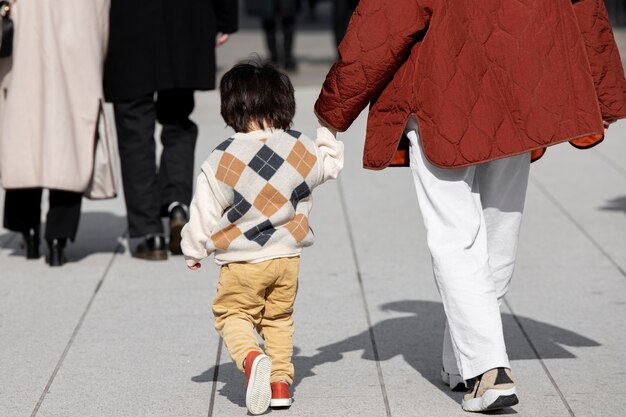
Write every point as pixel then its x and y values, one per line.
pixel 98 232
pixel 616 204
pixel 417 338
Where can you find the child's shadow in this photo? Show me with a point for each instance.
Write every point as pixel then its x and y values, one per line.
pixel 417 337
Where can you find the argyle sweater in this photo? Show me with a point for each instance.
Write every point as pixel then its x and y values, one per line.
pixel 253 196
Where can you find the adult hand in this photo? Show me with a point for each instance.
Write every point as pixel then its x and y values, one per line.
pixel 194 267
pixel 222 38
pixel 323 124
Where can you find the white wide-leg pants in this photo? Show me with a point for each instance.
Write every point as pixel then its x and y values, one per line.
pixel 472 217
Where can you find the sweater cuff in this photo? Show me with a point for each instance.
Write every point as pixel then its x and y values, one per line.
pixel 191 261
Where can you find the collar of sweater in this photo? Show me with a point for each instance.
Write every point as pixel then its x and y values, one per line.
pixel 257 134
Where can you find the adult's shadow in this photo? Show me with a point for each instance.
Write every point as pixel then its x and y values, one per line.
pixel 417 338
pixel 98 232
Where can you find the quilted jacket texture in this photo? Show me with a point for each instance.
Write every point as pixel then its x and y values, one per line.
pixel 486 79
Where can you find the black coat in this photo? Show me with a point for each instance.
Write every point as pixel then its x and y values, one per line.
pixel 163 44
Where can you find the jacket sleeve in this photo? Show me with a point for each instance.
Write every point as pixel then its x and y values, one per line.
pixel 378 39
pixel 329 154
pixel 227 15
pixel 604 58
pixel 204 213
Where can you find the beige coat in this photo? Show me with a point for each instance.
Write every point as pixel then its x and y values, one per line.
pixel 49 93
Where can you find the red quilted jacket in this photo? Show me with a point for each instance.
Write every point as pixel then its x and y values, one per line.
pixel 486 79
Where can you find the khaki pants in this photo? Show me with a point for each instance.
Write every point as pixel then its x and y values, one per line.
pixel 258 296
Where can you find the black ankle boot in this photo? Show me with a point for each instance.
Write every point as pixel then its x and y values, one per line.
pixel 56 252
pixel 31 243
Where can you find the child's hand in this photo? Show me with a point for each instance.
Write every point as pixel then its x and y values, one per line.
pixel 324 124
pixel 194 267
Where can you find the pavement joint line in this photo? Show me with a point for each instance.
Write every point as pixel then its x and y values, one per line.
pixel 540 359
pixel 368 318
pixel 554 201
pixel 216 373
pixel 76 330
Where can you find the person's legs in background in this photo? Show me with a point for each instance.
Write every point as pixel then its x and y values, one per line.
pixel 22 214
pixel 136 120
pixel 289 29
pixel 61 223
pixel 269 28
pixel 342 12
pixel 175 177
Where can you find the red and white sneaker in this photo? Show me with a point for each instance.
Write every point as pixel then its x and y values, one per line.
pixel 281 395
pixel 258 392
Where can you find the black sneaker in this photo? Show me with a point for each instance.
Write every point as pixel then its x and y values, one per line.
pixel 490 391
pixel 179 216
pixel 152 249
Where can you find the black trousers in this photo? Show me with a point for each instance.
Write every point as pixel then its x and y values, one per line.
pixel 342 12
pixel 149 190
pixel 270 27
pixel 22 211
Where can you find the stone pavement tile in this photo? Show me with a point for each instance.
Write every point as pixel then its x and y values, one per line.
pixel 595 194
pixel 39 309
pixel 565 279
pixel 41 306
pixel 145 339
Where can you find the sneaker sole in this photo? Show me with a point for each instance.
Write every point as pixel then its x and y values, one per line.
pixel 455 382
pixel 493 399
pixel 259 392
pixel 176 227
pixel 280 403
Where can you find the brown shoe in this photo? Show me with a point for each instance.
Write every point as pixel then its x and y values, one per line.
pixel 152 249
pixel 490 391
pixel 178 218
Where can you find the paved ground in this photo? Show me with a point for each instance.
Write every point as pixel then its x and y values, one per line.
pixel 108 335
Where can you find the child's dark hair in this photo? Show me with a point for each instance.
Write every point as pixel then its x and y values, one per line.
pixel 257 92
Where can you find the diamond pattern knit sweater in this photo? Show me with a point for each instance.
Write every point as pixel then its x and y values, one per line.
pixel 253 196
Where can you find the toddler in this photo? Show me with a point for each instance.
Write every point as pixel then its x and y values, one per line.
pixel 251 209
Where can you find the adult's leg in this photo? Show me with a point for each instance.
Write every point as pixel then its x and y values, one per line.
pixel 342 12
pixel 276 326
pixel 178 136
pixel 503 185
pixel 135 120
pixel 63 214
pixel 22 209
pixel 450 204
pixel 269 28
pixel 289 29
